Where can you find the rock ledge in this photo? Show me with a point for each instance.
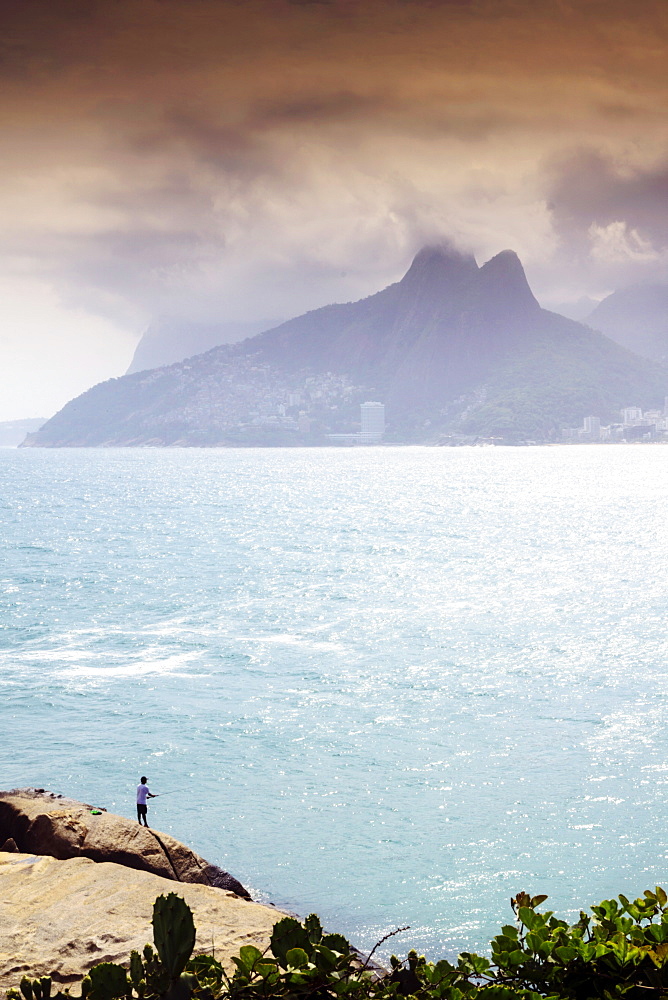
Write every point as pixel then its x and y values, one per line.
pixel 60 918
pixel 35 821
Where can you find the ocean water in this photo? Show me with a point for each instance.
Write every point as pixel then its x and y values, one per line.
pixel 391 685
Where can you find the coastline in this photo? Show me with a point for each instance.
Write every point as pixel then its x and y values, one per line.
pixel 78 886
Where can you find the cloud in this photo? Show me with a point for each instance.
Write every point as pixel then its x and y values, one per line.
pixel 230 159
pixel 609 211
pixel 617 243
pixel 592 187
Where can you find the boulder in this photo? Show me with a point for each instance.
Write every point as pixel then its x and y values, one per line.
pixel 44 823
pixel 60 918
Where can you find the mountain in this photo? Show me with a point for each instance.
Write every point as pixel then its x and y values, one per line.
pixel 452 346
pixel 12 432
pixel 170 340
pixel 578 309
pixel 637 318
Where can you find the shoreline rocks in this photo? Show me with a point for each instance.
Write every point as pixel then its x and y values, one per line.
pixel 62 917
pixel 35 821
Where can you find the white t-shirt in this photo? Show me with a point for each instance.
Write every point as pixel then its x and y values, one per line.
pixel 142 794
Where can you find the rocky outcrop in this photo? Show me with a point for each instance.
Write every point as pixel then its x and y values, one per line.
pixel 43 823
pixel 60 918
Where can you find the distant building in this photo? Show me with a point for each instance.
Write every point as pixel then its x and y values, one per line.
pixel 640 432
pixel 631 416
pixel 343 438
pixel 294 398
pixel 592 428
pixel 373 422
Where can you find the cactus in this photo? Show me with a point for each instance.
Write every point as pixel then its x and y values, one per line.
pixel 26 988
pixel 173 933
pixel 181 988
pixel 35 989
pixel 137 970
pixel 287 934
pixel 107 982
pixel 336 942
pixel 313 928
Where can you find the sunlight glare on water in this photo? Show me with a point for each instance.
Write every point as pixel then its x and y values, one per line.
pixel 392 685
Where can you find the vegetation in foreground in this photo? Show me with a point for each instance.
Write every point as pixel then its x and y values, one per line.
pixel 620 951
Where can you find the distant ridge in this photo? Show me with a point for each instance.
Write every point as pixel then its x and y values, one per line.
pixel 169 340
pixel 13 432
pixel 451 346
pixel 637 318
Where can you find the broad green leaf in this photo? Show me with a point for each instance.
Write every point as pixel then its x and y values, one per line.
pixel 249 955
pixel 528 917
pixel 479 963
pixel 324 957
pixel 297 958
pixel 265 968
pixel 533 942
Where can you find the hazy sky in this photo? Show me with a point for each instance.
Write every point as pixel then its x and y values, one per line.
pixel 226 160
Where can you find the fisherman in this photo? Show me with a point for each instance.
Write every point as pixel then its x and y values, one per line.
pixel 143 794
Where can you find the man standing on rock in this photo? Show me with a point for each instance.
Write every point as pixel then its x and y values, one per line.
pixel 143 794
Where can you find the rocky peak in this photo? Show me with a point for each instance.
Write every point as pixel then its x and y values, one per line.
pixel 504 284
pixel 439 269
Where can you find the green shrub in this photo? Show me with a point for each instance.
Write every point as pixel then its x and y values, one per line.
pixel 621 951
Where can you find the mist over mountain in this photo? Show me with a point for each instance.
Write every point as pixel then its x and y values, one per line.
pixel 452 346
pixel 13 432
pixel 637 318
pixel 579 309
pixel 169 340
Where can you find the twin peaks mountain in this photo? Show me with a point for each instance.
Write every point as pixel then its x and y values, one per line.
pixel 452 347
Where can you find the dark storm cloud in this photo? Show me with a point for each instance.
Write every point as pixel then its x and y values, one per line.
pixel 592 188
pixel 235 150
pixel 336 106
pixel 160 148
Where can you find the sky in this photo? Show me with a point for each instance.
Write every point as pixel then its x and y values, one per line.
pixel 231 160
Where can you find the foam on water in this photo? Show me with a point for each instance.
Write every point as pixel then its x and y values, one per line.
pixel 391 685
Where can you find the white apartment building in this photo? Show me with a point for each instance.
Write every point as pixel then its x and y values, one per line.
pixel 373 422
pixel 631 415
pixel 592 428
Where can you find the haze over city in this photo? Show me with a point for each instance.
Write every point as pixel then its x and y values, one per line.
pixel 240 162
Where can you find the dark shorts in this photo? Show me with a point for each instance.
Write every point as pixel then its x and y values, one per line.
pixel 141 810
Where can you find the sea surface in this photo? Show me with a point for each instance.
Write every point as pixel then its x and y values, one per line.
pixel 391 685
